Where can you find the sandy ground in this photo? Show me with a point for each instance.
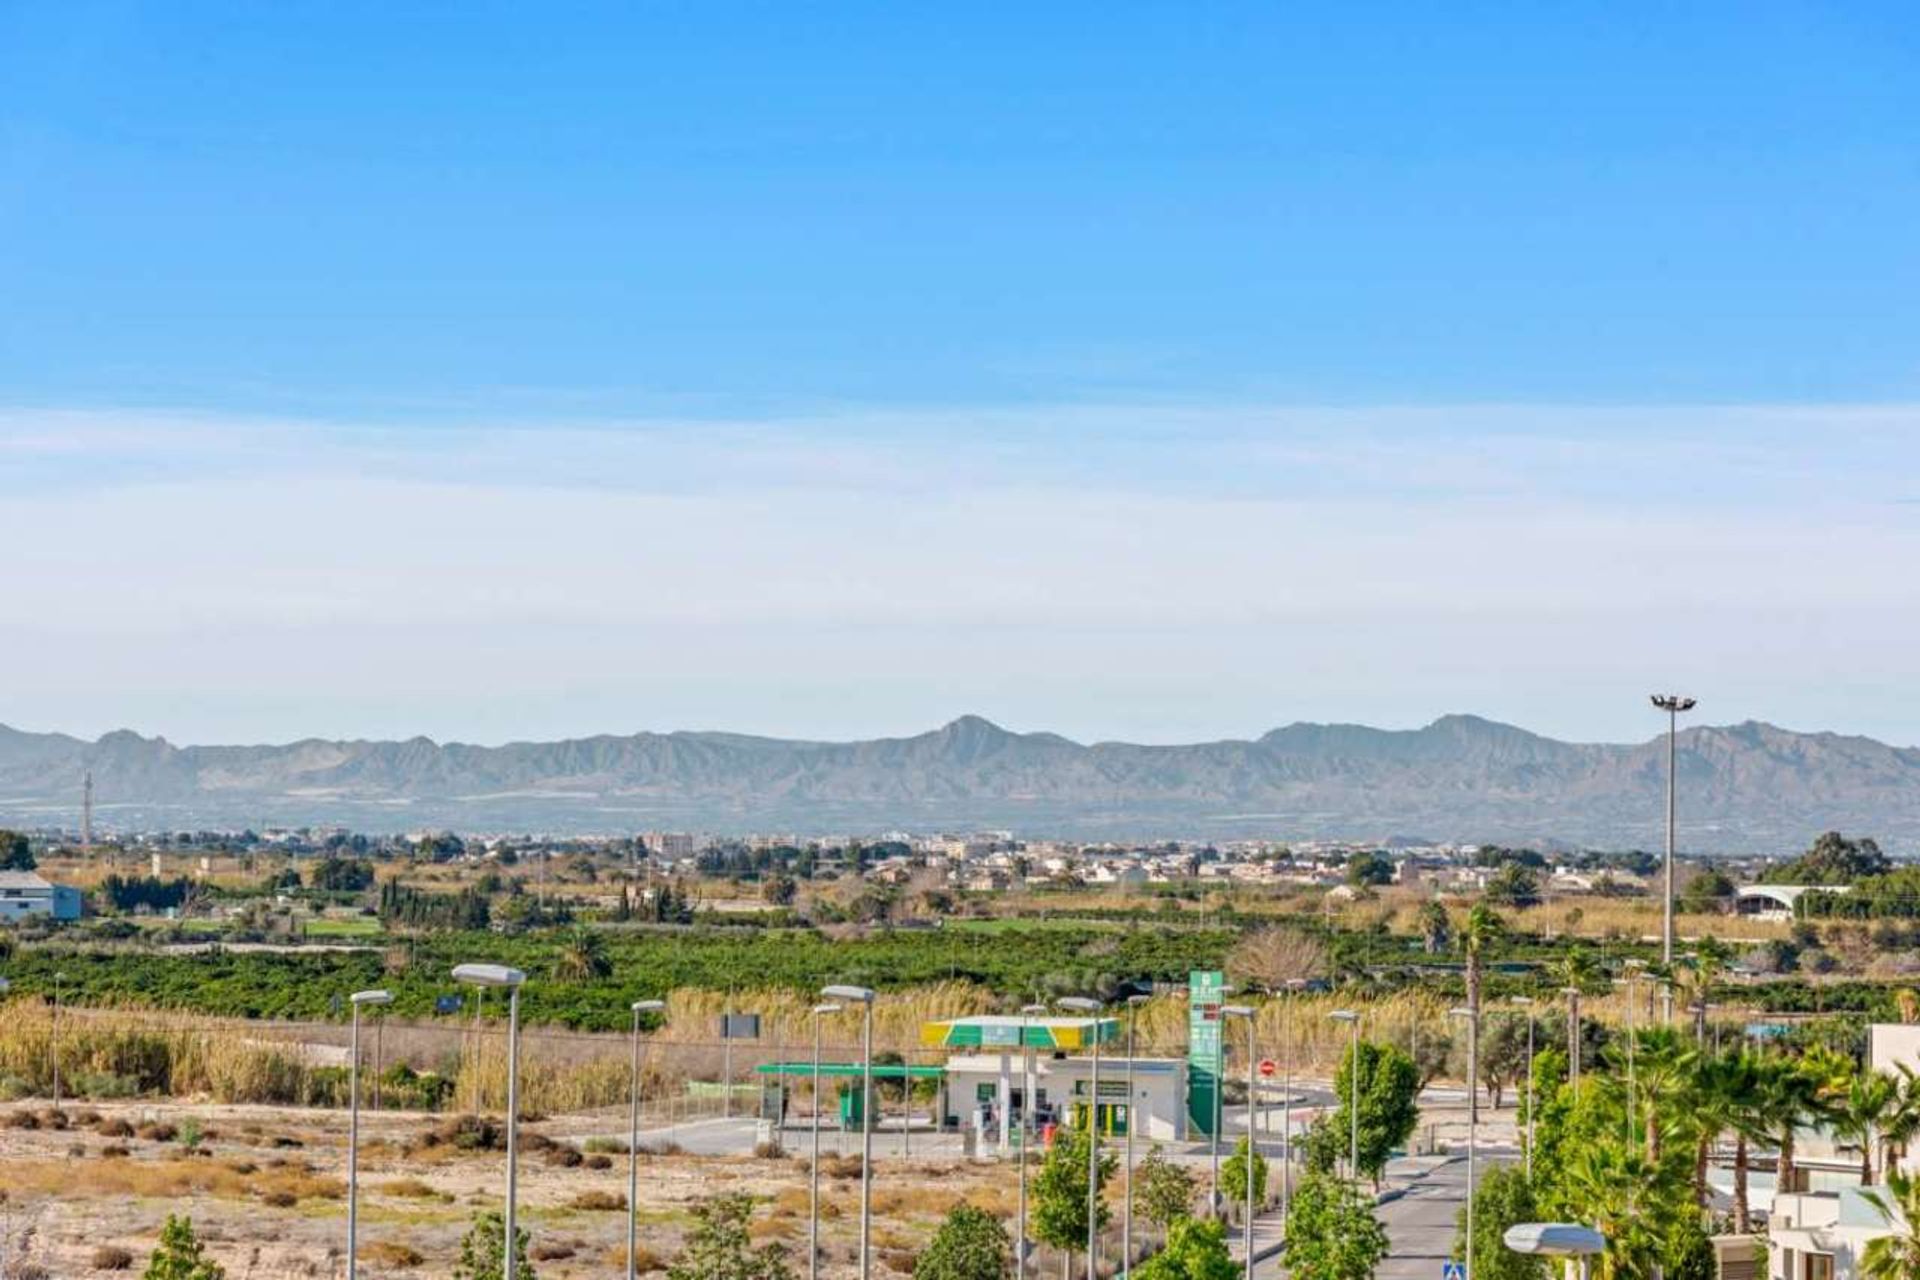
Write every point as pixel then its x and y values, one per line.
pixel 266 1188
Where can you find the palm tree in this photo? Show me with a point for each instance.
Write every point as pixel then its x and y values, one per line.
pixel 1896 1255
pixel 1665 1073
pixel 1607 1185
pixel 1700 973
pixel 582 958
pixel 1483 929
pixel 1788 1097
pixel 1859 1111
pixel 1902 1121
pixel 1575 971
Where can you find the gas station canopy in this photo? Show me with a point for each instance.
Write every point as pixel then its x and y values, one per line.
pixel 1003 1031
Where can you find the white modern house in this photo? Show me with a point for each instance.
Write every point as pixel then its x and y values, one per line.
pixel 23 894
pixel 1819 1228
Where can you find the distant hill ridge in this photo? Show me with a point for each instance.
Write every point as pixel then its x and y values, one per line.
pixel 1749 786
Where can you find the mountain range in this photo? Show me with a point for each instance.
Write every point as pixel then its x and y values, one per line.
pixel 1749 787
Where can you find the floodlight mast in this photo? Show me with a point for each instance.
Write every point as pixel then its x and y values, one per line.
pixel 1673 704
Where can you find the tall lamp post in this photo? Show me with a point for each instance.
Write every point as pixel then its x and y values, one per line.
pixel 499 975
pixel 863 995
pixel 633 1139
pixel 357 1000
pixel 1525 1003
pixel 1294 986
pixel 53 1048
pixel 1352 1019
pixel 1673 704
pixel 1573 1033
pixel 813 1172
pixel 1091 1007
pixel 1126 1214
pixel 1028 1013
pixel 1253 1062
pixel 1473 1126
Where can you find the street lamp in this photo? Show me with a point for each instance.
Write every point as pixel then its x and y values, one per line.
pixel 1673 704
pixel 1294 986
pixel 1126 1217
pixel 1473 1127
pixel 1573 1033
pixel 1253 1059
pixel 633 1139
pixel 1028 1012
pixel 813 1173
pixel 863 995
pixel 1526 1003
pixel 357 999
pixel 53 1046
pixel 499 975
pixel 1353 1090
pixel 1091 1007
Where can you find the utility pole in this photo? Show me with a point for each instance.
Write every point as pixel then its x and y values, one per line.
pixel 1673 704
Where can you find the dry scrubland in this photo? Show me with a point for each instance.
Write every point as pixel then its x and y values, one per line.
pixel 266 1188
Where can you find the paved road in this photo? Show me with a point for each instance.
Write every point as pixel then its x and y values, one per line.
pixel 1420 1222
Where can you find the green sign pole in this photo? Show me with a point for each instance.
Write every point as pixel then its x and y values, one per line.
pixel 1206 992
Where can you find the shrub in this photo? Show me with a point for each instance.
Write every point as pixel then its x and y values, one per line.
pixel 179 1255
pixel 392 1254
pixel 720 1248
pixel 483 1251
pixel 111 1257
pixel 970 1245
pixel 1196 1250
pixel 598 1202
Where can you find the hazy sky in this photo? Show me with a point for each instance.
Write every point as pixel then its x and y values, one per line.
pixel 1121 370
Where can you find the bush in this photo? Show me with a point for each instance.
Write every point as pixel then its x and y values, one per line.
pixel 598 1202
pixel 392 1255
pixel 179 1255
pixel 970 1245
pixel 720 1248
pixel 1196 1250
pixel 483 1251
pixel 111 1257
pixel 1165 1189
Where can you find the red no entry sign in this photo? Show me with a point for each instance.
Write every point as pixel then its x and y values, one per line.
pixel 1267 1068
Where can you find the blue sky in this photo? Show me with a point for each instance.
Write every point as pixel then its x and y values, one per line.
pixel 1154 371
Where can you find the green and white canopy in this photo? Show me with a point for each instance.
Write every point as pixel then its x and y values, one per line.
pixel 994 1031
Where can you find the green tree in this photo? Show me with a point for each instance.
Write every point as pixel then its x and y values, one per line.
pixel 1331 1231
pixel 180 1256
pixel 1367 869
pixel 1709 892
pixel 1060 1192
pixel 1514 885
pixel 720 1248
pixel 1196 1250
pixel 1163 1190
pixel 1389 1110
pixel 15 853
pixel 1436 927
pixel 334 874
pixel 582 958
pixel 1233 1176
pixel 970 1245
pixel 1484 930
pixel 1502 1199
pixel 1896 1255
pixel 482 1250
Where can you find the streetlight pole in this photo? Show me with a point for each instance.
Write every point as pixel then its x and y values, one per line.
pixel 1526 1004
pixel 633 1140
pixel 1126 1218
pixel 813 1172
pixel 53 1048
pixel 498 975
pixel 1573 1034
pixel 1253 1060
pixel 1294 985
pixel 357 999
pixel 1091 1007
pixel 1027 1014
pixel 1353 1090
pixel 1473 1125
pixel 863 995
pixel 1673 704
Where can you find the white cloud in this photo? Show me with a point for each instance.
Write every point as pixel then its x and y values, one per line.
pixel 1158 574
